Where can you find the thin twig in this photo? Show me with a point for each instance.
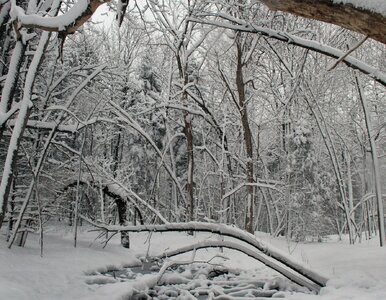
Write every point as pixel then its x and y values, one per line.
pixel 352 49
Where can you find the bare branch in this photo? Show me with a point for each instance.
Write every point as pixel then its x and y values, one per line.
pixel 352 49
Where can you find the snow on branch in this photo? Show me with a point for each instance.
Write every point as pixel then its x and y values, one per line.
pixel 335 53
pixel 126 118
pixel 249 252
pixel 224 230
pixel 46 125
pixel 68 22
pixel 117 189
pixel 364 16
pixel 257 184
pixel 41 125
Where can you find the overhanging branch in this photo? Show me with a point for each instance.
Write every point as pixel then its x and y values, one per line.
pixel 349 60
pixel 359 19
pixel 67 23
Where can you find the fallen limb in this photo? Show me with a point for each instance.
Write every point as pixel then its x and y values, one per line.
pixel 247 251
pixel 224 230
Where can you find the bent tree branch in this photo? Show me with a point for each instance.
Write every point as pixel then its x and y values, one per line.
pixel 335 53
pixel 224 230
pixel 247 251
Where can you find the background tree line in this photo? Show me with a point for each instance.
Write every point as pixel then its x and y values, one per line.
pixel 192 111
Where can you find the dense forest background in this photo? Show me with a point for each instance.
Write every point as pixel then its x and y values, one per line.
pixel 213 111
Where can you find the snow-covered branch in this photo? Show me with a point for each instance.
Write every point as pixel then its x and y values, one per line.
pixel 68 22
pixel 223 230
pixel 117 189
pixel 125 117
pixel 350 61
pixel 45 125
pixel 257 184
pixel 247 251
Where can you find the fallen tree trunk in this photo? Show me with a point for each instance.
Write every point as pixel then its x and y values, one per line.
pixel 247 251
pixel 223 230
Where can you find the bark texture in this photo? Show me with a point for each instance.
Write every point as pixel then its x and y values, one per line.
pixel 346 15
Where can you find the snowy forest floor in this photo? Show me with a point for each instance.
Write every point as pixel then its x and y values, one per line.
pixel 355 272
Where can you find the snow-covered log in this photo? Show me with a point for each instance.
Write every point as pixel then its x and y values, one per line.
pixel 224 230
pixel 367 16
pixel 292 39
pixel 247 251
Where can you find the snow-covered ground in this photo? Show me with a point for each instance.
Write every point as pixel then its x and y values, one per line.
pixel 355 272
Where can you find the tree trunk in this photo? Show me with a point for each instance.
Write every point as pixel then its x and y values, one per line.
pixel 122 219
pixel 189 148
pixel 346 15
pixel 375 163
pixel 350 188
pixel 247 137
pixel 11 80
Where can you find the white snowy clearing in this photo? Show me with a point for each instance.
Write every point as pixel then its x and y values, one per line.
pixel 65 272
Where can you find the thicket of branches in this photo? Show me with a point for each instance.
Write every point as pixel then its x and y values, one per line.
pixel 220 112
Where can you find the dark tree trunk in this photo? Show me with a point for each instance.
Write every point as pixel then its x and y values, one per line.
pixel 189 184
pixel 122 218
pixel 247 138
pixel 122 215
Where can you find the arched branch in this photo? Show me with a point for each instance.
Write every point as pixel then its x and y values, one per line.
pixel 224 230
pixel 249 252
pixel 119 192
